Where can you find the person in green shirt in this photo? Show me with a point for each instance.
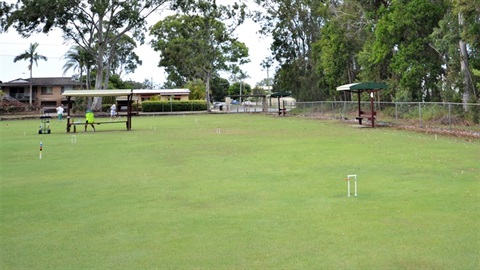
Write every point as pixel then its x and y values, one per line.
pixel 89 119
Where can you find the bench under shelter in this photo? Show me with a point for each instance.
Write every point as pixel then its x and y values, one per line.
pixel 359 88
pixel 69 94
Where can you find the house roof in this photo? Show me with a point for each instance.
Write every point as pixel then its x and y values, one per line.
pixel 98 93
pixel 365 86
pixel 45 81
pixel 163 92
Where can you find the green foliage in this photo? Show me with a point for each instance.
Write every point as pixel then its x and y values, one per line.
pixel 9 107
pixel 31 55
pixel 96 26
pixel 80 104
pixel 173 106
pixel 106 106
pixel 82 61
pixel 219 88
pixel 402 41
pixel 294 27
pixel 259 91
pixel 125 60
pixel 116 82
pixel 154 98
pixel 434 112
pixel 198 46
pixel 473 114
pixel 197 89
pixel 193 47
pixel 234 89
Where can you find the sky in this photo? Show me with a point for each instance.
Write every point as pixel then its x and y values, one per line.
pixel 54 48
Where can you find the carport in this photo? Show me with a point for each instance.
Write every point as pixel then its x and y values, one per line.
pixel 369 87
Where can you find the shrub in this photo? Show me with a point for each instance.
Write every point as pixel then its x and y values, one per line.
pixel 174 106
pixel 12 107
pixel 434 112
pixel 106 107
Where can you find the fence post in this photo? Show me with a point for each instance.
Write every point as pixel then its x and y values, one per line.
pixel 450 116
pixel 396 114
pixel 333 110
pixel 420 113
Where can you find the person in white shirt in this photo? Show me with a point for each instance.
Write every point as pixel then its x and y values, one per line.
pixel 113 112
pixel 60 112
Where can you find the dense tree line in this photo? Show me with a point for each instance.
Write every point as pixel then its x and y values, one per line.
pixel 425 50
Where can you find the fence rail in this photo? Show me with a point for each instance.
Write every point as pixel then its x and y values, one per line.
pixel 445 116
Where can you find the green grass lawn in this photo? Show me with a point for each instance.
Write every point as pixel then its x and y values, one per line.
pixel 237 192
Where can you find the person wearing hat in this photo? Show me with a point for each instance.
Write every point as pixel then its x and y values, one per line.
pixel 89 119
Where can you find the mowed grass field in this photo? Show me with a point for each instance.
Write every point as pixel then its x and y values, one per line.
pixel 237 192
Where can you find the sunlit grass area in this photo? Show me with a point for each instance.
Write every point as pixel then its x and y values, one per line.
pixel 237 191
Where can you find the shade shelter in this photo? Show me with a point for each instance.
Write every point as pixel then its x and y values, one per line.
pixel 99 93
pixel 371 88
pixel 278 95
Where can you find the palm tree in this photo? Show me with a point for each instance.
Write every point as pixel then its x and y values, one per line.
pixel 79 59
pixel 32 56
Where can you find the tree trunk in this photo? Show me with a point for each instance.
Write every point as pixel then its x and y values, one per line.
pixel 464 67
pixel 208 91
pixel 97 101
pixel 31 86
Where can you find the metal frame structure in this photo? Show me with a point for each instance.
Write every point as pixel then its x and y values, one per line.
pixel 99 93
pixel 371 88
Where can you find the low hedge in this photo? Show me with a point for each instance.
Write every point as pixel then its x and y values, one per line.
pixel 174 106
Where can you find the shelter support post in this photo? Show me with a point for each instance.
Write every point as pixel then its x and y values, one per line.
pixel 359 105
pixel 370 88
pixel 129 112
pixel 69 107
pixel 373 113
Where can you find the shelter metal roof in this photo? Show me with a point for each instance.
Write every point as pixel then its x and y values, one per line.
pixel 365 86
pixel 280 94
pixel 97 93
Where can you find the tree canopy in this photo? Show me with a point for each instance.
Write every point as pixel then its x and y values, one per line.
pixel 32 56
pixel 424 50
pixel 196 47
pixel 97 26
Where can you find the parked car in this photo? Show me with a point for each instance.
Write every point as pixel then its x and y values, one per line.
pixel 247 103
pixel 219 105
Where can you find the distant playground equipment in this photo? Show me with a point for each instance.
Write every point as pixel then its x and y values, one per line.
pixel 371 88
pixel 44 124
pixel 354 177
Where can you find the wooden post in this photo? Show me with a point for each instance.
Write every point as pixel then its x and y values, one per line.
pixel 129 111
pixel 278 102
pixel 359 104
pixel 371 108
pixel 69 106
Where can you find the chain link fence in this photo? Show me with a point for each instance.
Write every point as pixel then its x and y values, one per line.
pixel 442 116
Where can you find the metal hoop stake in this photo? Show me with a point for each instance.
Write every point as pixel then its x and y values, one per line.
pixel 354 176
